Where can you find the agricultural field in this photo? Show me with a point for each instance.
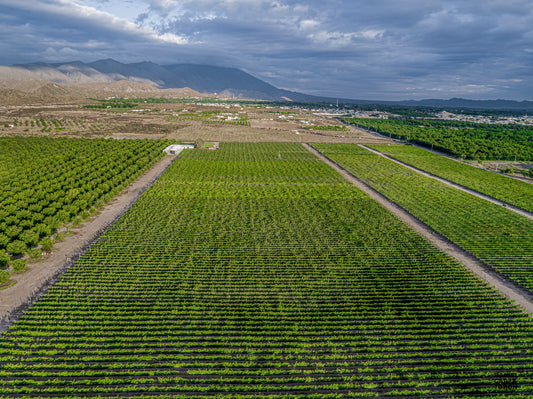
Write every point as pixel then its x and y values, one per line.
pixel 256 271
pixel 495 235
pixel 512 191
pixel 468 140
pixel 58 126
pixel 47 183
pixel 181 119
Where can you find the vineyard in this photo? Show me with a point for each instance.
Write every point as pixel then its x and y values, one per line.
pixel 462 139
pixel 62 126
pixel 495 235
pixel 512 191
pixel 46 183
pixel 256 271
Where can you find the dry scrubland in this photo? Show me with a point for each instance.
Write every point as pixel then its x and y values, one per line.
pixel 177 121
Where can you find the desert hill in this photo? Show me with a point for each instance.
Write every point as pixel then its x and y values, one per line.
pixel 143 77
pixel 109 77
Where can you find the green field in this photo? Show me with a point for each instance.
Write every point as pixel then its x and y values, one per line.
pixel 463 139
pixel 46 183
pixel 512 191
pixel 256 271
pixel 497 236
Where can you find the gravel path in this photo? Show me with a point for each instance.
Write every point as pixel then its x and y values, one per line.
pixel 38 276
pixel 520 211
pixel 521 297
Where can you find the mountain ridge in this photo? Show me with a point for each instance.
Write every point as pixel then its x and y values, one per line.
pixel 228 81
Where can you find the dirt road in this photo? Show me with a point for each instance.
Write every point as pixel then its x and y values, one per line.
pixel 520 211
pixel 521 297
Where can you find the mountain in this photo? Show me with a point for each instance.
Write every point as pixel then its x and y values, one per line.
pixel 202 78
pixel 232 82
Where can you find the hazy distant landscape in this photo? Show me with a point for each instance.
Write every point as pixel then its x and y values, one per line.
pixel 205 79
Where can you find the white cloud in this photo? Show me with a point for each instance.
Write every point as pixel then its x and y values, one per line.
pixel 74 11
pixel 167 37
pixel 309 24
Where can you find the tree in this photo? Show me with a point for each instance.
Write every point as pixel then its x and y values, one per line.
pixel 13 231
pixel 19 265
pixel 47 244
pixel 4 240
pixel 31 238
pixel 16 247
pixel 4 259
pixel 43 229
pixel 4 276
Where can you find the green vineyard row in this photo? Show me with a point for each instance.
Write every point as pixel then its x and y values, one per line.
pixel 256 271
pixel 512 191
pixel 497 236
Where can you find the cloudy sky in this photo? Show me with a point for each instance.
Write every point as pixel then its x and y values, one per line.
pixel 381 49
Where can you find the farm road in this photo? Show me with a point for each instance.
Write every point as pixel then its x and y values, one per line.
pixel 521 212
pixel 521 298
pixel 38 275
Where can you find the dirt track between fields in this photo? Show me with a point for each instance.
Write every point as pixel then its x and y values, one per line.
pixel 37 276
pixel 521 297
pixel 520 211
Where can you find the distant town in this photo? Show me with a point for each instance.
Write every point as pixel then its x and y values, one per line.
pixel 443 115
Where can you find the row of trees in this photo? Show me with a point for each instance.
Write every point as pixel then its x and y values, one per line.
pixel 463 139
pixel 47 183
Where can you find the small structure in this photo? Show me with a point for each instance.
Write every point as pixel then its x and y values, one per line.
pixel 175 149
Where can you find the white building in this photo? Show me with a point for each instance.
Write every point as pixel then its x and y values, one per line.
pixel 175 149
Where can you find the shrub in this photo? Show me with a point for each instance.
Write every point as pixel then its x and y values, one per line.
pixel 4 276
pixel 34 253
pixel 47 244
pixel 59 237
pixel 19 265
pixel 4 259
pixel 16 247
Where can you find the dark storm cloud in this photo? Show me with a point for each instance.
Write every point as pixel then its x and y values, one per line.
pixel 358 49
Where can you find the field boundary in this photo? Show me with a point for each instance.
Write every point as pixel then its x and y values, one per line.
pixel 515 209
pixel 34 282
pixel 508 289
pixel 441 153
